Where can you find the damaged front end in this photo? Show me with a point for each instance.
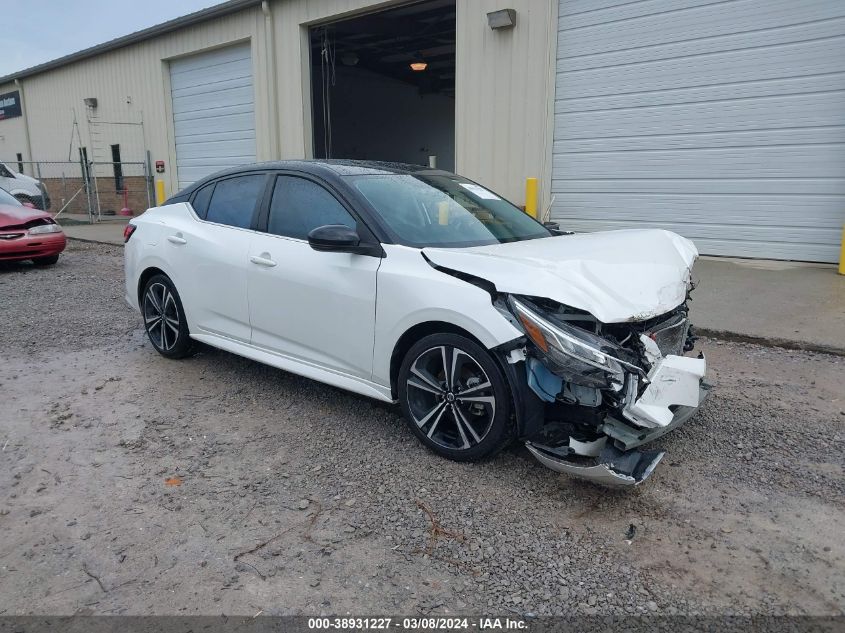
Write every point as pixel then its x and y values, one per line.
pixel 590 394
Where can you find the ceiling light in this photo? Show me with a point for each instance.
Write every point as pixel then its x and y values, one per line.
pixel 418 66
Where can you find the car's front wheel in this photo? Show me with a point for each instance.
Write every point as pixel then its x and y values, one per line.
pixel 164 318
pixel 455 398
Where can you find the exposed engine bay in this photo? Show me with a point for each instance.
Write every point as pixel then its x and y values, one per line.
pixel 601 368
pixel 606 389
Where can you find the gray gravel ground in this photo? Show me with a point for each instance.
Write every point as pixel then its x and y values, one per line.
pixel 297 498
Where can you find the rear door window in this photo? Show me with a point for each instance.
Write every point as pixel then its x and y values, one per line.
pixel 234 200
pixel 201 199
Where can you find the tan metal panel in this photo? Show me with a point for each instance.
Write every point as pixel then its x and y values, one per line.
pixel 505 86
pixel 132 85
pixel 12 134
pixel 504 96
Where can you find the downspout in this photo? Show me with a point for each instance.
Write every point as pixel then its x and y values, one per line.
pixel 549 124
pixel 270 53
pixel 19 86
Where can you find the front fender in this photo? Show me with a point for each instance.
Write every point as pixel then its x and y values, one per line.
pixel 411 292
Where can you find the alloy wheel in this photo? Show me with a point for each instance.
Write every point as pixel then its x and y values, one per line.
pixel 450 397
pixel 161 316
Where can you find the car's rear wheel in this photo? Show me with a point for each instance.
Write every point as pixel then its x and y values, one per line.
pixel 455 398
pixel 164 318
pixel 46 261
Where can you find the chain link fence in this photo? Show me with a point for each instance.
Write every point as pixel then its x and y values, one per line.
pixel 85 188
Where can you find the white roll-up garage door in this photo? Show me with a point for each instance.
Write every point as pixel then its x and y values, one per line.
pixel 722 121
pixel 213 112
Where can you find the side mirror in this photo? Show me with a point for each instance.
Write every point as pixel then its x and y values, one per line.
pixel 29 205
pixel 339 238
pixel 334 238
pixel 555 229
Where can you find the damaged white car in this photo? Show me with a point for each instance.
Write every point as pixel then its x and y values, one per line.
pixel 414 285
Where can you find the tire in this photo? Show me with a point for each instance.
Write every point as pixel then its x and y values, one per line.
pixel 434 373
pixel 46 261
pixel 169 335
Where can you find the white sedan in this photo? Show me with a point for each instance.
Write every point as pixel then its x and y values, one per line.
pixel 415 285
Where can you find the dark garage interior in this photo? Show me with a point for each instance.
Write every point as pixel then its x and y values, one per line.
pixel 383 85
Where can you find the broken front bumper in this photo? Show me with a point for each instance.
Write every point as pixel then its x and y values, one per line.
pixel 611 466
pixel 674 393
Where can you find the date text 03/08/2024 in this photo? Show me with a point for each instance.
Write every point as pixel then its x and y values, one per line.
pixel 414 623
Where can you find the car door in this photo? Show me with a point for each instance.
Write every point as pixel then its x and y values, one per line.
pixel 210 255
pixel 318 307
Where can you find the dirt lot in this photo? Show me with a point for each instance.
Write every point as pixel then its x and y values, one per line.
pixel 297 498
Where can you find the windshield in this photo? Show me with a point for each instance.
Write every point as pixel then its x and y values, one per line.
pixel 9 199
pixel 446 211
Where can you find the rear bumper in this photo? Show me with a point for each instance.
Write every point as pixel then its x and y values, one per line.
pixel 32 247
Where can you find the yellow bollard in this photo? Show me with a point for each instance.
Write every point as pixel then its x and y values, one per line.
pixel 531 197
pixel 842 253
pixel 160 197
pixel 443 213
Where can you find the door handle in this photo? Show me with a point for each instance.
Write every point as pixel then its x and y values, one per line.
pixel 262 261
pixel 176 239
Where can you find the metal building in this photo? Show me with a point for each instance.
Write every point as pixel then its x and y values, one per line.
pixel 723 121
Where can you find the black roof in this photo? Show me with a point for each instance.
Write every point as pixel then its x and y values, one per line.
pixel 342 167
pixel 327 168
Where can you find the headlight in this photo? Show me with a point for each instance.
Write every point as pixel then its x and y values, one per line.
pixel 573 354
pixel 45 228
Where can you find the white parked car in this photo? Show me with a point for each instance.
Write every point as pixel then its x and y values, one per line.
pixel 25 188
pixel 414 285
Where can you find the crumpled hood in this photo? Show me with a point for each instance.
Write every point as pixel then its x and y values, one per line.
pixel 12 216
pixel 616 276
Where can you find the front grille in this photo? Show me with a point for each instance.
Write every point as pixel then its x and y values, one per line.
pixel 11 236
pixel 671 335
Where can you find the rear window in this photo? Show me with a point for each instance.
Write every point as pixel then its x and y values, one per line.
pixel 201 199
pixel 234 200
pixel 7 198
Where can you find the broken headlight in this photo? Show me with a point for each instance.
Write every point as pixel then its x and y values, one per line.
pixel 571 353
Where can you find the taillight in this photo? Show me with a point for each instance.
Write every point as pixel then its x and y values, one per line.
pixel 128 231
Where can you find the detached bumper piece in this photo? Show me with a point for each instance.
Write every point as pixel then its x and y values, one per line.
pixel 611 467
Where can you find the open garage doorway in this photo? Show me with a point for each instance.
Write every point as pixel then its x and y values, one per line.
pixel 383 85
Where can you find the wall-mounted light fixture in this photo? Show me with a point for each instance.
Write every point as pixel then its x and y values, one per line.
pixel 90 102
pixel 502 19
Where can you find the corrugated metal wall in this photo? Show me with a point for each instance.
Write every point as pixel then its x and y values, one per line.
pixel 133 84
pixel 503 96
pixel 723 121
pixel 12 134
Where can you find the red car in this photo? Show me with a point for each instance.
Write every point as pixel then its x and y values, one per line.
pixel 27 233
